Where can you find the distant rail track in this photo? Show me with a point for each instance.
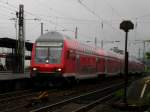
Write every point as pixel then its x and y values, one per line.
pixel 10 95
pixel 9 100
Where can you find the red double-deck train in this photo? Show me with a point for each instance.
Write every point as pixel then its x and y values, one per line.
pixel 55 55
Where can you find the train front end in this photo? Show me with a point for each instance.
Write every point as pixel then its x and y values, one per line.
pixel 47 57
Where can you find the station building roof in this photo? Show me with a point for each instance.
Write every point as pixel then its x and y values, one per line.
pixel 11 43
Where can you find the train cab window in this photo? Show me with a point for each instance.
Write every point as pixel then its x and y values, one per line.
pixel 48 54
pixel 41 54
pixel 55 54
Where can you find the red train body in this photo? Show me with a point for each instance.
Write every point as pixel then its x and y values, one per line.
pixel 56 55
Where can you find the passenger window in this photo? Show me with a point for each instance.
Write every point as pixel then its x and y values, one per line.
pixel 71 54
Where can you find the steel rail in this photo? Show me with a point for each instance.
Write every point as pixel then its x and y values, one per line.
pixel 11 98
pixel 2 95
pixel 45 108
pixel 93 104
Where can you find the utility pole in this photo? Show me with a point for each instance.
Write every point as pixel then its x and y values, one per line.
pixel 76 33
pixel 42 28
pixel 139 53
pixel 144 43
pixel 95 41
pixel 102 44
pixel 21 41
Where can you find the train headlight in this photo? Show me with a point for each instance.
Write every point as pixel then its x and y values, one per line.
pixel 34 69
pixel 59 69
pixel 47 61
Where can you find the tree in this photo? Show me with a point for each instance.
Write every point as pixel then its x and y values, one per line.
pixel 147 55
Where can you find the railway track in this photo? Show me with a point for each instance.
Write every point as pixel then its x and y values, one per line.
pixel 17 102
pixel 14 101
pixel 81 103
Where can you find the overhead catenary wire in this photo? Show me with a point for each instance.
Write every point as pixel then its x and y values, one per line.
pixel 15 8
pixel 49 8
pixel 4 15
pixel 7 3
pixel 48 19
pixel 10 10
pixel 96 15
pixel 62 15
pixel 142 16
pixel 114 10
pixel 32 14
pixel 75 19
pixel 40 17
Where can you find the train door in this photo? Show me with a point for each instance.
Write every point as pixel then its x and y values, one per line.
pixel 78 63
pixel 109 66
pixel 101 66
pixel 70 62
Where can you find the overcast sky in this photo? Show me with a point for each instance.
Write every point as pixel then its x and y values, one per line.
pixel 94 18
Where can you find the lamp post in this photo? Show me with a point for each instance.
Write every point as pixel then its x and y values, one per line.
pixel 126 26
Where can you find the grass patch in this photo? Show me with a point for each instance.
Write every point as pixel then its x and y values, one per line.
pixel 147 69
pixel 119 94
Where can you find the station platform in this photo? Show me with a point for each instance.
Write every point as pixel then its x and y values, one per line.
pixel 11 76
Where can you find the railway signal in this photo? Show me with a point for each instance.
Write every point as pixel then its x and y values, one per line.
pixel 126 26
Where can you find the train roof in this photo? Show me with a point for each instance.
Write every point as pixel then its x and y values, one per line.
pixel 110 54
pixel 52 36
pixel 101 52
pixel 76 45
pixel 134 59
